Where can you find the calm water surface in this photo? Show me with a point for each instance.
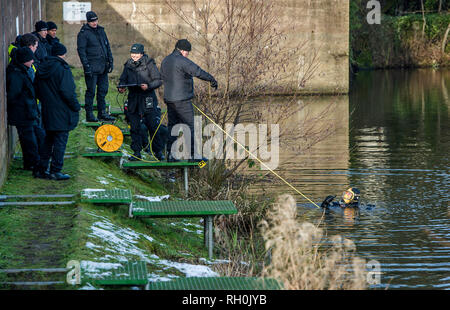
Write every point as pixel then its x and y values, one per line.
pixel 392 141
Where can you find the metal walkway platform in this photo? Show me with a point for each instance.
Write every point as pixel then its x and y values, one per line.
pixel 205 209
pixel 131 273
pixel 217 283
pixel 182 208
pixel 106 196
pixel 102 154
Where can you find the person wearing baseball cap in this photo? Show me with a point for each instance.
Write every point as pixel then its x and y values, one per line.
pixel 177 72
pixel 141 72
pixel 95 55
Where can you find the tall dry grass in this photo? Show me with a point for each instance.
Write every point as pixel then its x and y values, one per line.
pixel 300 261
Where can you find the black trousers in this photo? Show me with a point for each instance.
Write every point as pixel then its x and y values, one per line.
pixel 181 112
pixel 31 140
pixel 143 128
pixel 99 83
pixel 54 149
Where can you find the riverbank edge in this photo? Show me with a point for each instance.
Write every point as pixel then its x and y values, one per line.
pixel 40 237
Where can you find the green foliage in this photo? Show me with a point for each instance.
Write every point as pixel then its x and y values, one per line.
pixel 434 30
pixel 394 42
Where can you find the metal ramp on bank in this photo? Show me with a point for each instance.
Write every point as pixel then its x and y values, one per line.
pixel 217 283
pixel 37 200
pixel 89 152
pixel 205 209
pixel 130 273
pixel 106 196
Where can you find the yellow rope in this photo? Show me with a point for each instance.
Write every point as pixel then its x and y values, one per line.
pixel 150 144
pixel 280 177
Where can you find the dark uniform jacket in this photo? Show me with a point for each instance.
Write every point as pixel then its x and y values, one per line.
pixel 52 41
pixel 43 50
pixel 21 99
pixel 177 72
pixel 94 50
pixel 143 71
pixel 55 89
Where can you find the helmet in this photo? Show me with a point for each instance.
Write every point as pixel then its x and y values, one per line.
pixel 351 196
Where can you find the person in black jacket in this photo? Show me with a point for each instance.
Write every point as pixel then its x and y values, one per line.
pixel 140 70
pixel 22 107
pixel 43 49
pixel 177 72
pixel 96 57
pixel 56 91
pixel 51 33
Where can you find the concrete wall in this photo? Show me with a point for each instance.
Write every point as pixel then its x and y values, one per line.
pixel 17 16
pixel 323 23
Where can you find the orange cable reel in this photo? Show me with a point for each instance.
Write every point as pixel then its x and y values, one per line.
pixel 109 138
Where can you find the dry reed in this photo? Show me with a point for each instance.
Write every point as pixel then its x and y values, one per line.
pixel 299 260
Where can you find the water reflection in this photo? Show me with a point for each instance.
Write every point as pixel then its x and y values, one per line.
pixel 393 144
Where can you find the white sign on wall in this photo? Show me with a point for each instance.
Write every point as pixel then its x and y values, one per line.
pixel 75 11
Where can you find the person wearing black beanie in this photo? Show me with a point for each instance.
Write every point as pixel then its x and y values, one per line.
pixel 51 36
pixel 96 57
pixel 44 48
pixel 22 108
pixel 58 49
pixel 24 56
pixel 56 90
pixel 177 73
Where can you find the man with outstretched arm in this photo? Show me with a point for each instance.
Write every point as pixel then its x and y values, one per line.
pixel 177 72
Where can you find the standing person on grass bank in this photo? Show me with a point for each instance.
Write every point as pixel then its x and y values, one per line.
pixel 142 107
pixel 56 91
pixel 22 109
pixel 177 72
pixel 43 49
pixel 96 57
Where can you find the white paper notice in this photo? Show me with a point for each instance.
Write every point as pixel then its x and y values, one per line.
pixel 75 11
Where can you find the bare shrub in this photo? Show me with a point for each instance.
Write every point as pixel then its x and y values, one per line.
pixel 297 258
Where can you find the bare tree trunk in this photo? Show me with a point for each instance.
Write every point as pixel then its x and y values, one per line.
pixel 440 6
pixel 424 20
pixel 444 41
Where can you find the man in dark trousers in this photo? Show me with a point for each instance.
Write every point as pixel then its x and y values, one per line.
pixel 96 57
pixel 141 71
pixel 43 49
pixel 177 72
pixel 56 91
pixel 51 33
pixel 22 107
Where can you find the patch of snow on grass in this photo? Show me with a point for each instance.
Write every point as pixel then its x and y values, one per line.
pixel 122 244
pixel 91 192
pixel 155 198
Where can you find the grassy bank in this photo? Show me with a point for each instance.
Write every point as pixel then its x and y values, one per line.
pixel 99 236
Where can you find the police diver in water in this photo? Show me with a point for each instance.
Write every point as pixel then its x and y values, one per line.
pixel 350 199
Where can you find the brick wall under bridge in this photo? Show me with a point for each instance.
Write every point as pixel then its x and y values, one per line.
pixel 324 24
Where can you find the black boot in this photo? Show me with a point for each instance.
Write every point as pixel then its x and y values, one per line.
pixel 59 176
pixel 39 174
pixel 103 116
pixel 90 117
